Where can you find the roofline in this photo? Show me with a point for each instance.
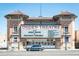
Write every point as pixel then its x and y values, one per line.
pixel 73 15
pixel 6 16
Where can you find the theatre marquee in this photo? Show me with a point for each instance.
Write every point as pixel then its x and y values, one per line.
pixel 27 32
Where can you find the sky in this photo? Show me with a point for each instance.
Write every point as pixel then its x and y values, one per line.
pixel 33 10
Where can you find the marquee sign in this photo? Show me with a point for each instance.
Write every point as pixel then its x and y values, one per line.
pixel 30 32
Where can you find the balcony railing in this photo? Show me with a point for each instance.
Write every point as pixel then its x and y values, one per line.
pixel 66 33
pixel 15 33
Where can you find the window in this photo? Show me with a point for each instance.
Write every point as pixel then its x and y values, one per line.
pixel 15 39
pixel 66 17
pixel 54 43
pixel 32 23
pixel 49 23
pixel 65 29
pixel 23 43
pixel 27 43
pixel 39 43
pixel 66 39
pixel 15 28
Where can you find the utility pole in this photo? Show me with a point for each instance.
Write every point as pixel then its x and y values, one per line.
pixel 40 10
pixel 65 36
pixel 65 42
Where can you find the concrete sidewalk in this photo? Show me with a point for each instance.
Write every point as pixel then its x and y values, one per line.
pixel 40 53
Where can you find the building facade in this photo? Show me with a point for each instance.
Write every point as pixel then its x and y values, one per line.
pixel 56 31
pixel 3 42
pixel 77 39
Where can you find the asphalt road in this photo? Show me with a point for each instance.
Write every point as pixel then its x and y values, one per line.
pixel 40 53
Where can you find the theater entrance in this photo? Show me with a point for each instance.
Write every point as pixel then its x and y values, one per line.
pixel 45 43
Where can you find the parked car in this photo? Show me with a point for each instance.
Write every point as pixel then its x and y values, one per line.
pixel 34 48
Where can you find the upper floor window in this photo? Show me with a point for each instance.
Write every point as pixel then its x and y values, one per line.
pixel 65 29
pixel 66 17
pixel 15 17
pixel 41 23
pixel 32 23
pixel 49 23
pixel 15 28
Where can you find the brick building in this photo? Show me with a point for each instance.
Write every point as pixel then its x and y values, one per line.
pixel 56 31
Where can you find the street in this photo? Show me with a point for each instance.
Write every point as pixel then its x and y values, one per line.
pixel 40 53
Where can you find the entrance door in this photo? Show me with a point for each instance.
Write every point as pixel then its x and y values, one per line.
pixel 45 43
